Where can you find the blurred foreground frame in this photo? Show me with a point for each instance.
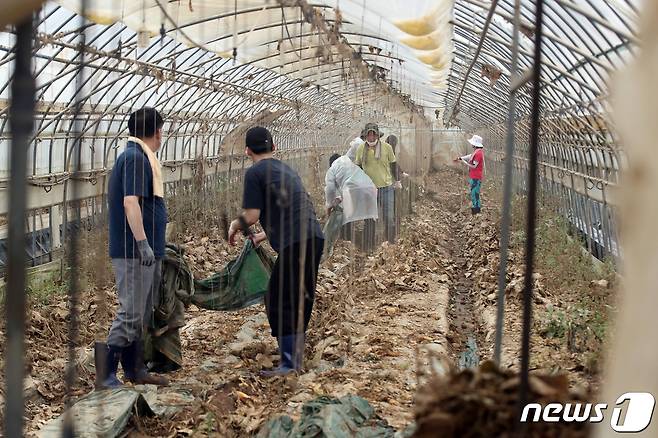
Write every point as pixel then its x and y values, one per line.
pixel 632 362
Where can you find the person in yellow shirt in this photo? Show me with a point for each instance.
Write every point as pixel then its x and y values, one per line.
pixel 377 160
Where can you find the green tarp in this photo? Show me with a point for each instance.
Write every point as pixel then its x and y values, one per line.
pixel 242 283
pixel 100 414
pixel 328 417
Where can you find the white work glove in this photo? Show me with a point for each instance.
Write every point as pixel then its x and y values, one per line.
pixel 397 185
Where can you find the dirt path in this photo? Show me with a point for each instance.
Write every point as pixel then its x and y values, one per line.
pixel 464 333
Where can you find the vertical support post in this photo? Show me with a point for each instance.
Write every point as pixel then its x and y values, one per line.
pixel 507 191
pixel 56 225
pixel 72 244
pixel 632 361
pixel 532 205
pixel 21 119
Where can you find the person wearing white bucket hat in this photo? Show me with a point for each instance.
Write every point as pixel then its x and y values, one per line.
pixel 475 163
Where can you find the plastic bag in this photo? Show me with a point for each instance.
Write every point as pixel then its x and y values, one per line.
pixel 359 203
pixel 357 191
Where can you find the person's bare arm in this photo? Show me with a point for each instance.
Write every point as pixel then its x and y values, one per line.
pixel 472 165
pixel 251 215
pixel 134 216
pixel 466 160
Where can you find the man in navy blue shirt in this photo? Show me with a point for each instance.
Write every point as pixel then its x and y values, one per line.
pixel 275 196
pixel 137 223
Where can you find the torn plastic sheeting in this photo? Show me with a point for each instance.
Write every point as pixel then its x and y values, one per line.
pixel 427 23
pixel 470 357
pixel 167 404
pixel 430 41
pixel 100 414
pixel 349 416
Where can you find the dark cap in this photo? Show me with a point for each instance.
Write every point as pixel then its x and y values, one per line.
pixel 259 140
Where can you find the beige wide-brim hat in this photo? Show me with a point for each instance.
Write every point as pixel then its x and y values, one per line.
pixel 476 141
pixel 372 127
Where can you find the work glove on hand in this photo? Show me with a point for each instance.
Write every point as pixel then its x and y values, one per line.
pixel 145 253
pixel 397 185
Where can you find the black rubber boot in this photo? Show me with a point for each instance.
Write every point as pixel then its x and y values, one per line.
pixel 106 361
pixel 134 368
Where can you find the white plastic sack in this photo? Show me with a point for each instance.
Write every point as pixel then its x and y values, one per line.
pixel 357 191
pixel 359 197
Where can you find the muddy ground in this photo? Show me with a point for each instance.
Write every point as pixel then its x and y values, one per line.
pixel 382 324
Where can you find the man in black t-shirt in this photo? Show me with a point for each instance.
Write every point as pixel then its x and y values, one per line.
pixel 275 196
pixel 137 222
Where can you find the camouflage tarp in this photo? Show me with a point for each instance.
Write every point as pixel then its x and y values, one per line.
pixel 348 416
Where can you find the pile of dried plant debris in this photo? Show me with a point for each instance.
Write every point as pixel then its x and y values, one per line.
pixel 485 403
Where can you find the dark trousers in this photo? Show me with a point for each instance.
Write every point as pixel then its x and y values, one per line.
pixel 291 290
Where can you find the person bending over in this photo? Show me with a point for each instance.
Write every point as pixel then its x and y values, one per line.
pixel 275 196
